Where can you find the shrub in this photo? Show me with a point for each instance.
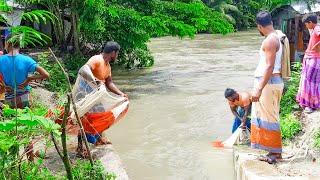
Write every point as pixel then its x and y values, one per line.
pixel 57 81
pixel 290 126
pixel 83 170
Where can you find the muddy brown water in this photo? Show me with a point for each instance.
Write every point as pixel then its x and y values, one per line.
pixel 177 107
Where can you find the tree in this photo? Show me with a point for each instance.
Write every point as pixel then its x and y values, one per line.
pixel 25 35
pixel 225 7
pixel 131 23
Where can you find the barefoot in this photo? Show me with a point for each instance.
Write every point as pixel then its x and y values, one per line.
pixel 103 141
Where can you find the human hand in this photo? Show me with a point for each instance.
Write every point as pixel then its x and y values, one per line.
pixel 256 95
pixel 125 95
pixel 24 84
pixel 2 88
pixel 8 89
pixel 243 125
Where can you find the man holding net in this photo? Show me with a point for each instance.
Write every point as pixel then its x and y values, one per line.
pixel 97 72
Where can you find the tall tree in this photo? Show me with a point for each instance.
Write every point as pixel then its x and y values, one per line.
pixel 225 7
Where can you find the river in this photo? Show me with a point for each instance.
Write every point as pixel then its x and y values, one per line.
pixel 178 107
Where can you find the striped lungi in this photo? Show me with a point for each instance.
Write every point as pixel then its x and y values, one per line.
pixel 265 127
pixel 23 100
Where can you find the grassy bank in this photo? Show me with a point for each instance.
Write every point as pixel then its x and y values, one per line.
pixel 290 112
pixel 289 121
pixel 23 127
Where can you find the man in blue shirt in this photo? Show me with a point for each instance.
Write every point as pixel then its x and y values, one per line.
pixel 15 69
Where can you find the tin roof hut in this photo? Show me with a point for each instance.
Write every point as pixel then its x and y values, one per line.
pixel 288 18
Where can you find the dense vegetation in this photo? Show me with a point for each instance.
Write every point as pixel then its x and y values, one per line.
pixel 80 27
pixel 83 26
pixel 289 123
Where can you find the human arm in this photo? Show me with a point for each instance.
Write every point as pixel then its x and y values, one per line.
pixel 234 111
pixel 42 74
pixel 2 88
pixel 245 116
pixel 86 72
pixel 270 49
pixel 113 88
pixel 316 47
pixel 316 32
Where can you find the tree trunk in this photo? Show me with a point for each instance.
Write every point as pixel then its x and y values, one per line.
pixel 74 21
pixel 58 27
pixel 66 159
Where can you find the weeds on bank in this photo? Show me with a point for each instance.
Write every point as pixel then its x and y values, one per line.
pixel 290 125
pixel 57 82
pixel 17 129
pixel 84 171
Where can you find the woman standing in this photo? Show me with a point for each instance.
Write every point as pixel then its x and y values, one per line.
pixel 309 89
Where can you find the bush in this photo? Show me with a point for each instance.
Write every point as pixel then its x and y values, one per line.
pixel 290 126
pixel 72 64
pixel 34 171
pixel 288 102
pixel 83 170
pixel 57 81
pixel 133 23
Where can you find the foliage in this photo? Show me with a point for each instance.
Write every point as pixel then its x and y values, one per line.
pixel 72 64
pixel 34 171
pixel 225 7
pixel 30 124
pixel 288 101
pixel 289 124
pixel 249 8
pixel 57 81
pixel 317 139
pixel 16 130
pixel 84 171
pixel 248 11
pixel 132 25
pixel 23 35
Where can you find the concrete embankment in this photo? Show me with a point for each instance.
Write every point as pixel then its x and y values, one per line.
pixel 248 167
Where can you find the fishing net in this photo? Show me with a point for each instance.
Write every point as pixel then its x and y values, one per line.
pixel 96 107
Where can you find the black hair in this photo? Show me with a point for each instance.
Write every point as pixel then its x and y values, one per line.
pixel 310 18
pixel 111 46
pixel 229 92
pixel 264 18
pixel 12 42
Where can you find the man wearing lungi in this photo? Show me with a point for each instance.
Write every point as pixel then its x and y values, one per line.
pixel 98 70
pixel 17 71
pixel 268 87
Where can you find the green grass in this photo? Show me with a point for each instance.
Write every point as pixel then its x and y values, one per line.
pixel 289 124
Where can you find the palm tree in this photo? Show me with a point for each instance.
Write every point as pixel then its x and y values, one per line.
pixel 25 35
pixel 225 7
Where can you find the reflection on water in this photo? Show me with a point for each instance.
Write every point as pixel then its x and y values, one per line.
pixel 177 107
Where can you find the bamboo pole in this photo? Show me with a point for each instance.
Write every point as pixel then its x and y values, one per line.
pixel 83 134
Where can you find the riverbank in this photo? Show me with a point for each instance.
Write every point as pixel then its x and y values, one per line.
pixel 106 154
pixel 304 165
